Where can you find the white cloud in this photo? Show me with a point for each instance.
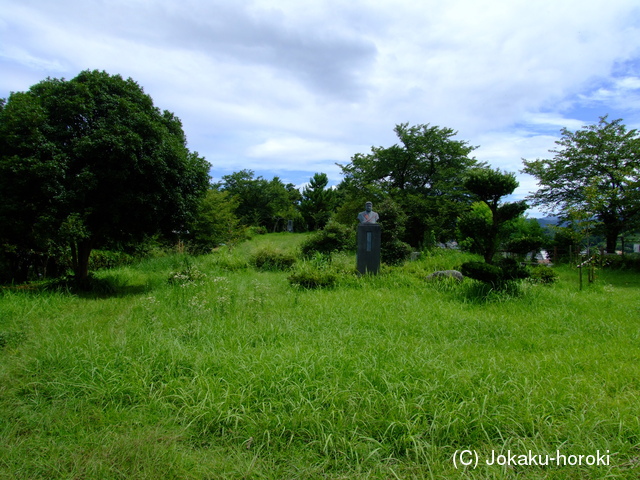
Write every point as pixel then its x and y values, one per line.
pixel 297 86
pixel 22 57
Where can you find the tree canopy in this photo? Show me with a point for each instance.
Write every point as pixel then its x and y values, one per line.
pixel 595 171
pixel 89 161
pixel 424 174
pixel 427 162
pixel 261 202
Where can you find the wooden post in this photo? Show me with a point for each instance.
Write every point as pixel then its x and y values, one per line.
pixel 580 268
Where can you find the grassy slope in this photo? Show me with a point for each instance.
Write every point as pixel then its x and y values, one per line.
pixel 242 376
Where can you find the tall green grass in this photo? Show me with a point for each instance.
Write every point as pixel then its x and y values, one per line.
pixel 231 372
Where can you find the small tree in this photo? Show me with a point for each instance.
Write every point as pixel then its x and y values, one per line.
pixel 215 221
pixel 484 228
pixel 392 221
pixel 317 202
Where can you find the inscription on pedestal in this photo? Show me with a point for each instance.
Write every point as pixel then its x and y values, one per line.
pixel 368 248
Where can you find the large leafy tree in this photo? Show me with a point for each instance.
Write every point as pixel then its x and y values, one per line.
pixel 484 226
pixel 595 171
pixel 92 161
pixel 423 173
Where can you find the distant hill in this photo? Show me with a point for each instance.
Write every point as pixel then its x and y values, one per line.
pixel 546 221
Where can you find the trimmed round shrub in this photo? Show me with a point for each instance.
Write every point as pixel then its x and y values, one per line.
pixel 507 270
pixel 272 259
pixel 395 252
pixel 512 270
pixel 482 271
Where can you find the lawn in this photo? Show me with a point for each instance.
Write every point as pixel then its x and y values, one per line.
pixel 209 368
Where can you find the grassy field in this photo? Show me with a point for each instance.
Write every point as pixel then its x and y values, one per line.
pixel 207 368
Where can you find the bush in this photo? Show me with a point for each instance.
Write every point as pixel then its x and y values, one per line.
pixel 512 270
pixel 334 237
pixel 543 274
pixel 622 262
pixel 272 259
pixel 261 230
pixel 482 271
pixel 506 271
pixel 395 252
pixel 312 278
pixel 319 271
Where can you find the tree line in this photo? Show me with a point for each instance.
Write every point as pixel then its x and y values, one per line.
pixel 91 163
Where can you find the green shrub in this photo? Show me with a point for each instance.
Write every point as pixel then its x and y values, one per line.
pixel 312 278
pixel 543 274
pixel 395 252
pixel 261 230
pixel 622 262
pixel 498 276
pixel 334 237
pixel 482 271
pixel 512 269
pixel 268 258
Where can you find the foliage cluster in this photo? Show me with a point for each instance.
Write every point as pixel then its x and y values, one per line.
pixel 88 162
pixel 484 227
pixel 499 276
pixel 623 262
pixel 393 250
pixel 260 202
pixel 309 276
pixel 101 259
pixel 334 237
pixel 594 176
pixel 215 222
pixel 189 275
pixel 269 258
pixel 318 202
pixel 543 274
pixel 423 174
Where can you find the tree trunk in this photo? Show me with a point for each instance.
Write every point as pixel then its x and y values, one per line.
pixel 80 253
pixel 492 248
pixel 612 241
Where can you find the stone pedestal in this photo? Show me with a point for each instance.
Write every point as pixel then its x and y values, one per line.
pixel 368 260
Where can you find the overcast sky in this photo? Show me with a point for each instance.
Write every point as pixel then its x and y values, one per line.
pixel 292 87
